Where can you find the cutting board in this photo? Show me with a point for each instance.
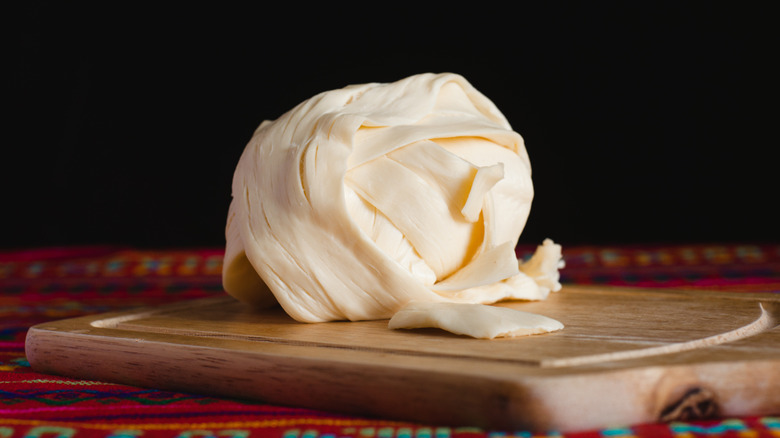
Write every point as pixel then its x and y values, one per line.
pixel 625 356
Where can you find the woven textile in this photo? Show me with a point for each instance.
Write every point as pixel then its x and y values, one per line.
pixel 48 284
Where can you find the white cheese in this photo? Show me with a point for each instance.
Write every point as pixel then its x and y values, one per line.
pixel 475 320
pixel 363 199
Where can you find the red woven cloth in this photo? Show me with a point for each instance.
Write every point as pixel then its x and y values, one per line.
pixel 47 284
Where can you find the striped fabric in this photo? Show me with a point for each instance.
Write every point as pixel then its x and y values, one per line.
pixel 41 285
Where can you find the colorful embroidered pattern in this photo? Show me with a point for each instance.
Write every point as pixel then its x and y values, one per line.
pixel 44 285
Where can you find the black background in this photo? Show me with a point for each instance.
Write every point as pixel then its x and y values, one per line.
pixel 645 121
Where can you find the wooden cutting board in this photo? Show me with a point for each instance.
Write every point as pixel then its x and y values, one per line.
pixel 625 356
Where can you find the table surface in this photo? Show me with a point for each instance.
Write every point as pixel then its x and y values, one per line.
pixel 45 284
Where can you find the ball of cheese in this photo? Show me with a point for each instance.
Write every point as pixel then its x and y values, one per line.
pixel 363 199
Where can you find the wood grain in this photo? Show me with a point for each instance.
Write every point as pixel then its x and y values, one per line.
pixel 625 356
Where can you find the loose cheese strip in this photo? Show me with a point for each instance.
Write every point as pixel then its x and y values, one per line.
pixel 475 320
